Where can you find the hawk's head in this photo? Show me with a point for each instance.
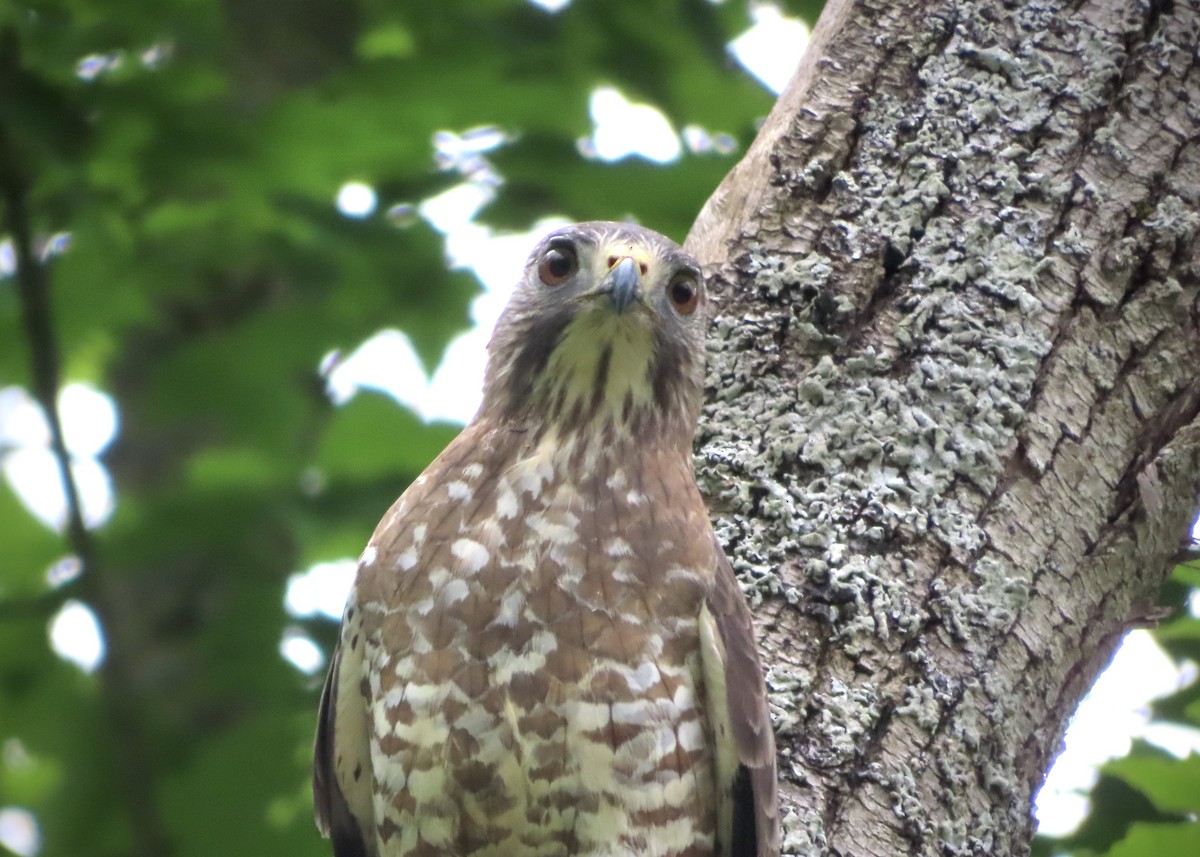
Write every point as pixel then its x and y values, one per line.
pixel 605 331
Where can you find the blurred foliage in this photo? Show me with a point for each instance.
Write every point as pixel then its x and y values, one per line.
pixel 192 150
pixel 1147 804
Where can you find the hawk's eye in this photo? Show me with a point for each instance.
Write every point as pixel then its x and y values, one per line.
pixel 685 293
pixel 557 265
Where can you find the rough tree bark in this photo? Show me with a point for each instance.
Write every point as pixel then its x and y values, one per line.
pixel 954 432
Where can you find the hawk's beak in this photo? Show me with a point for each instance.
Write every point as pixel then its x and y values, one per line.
pixel 623 283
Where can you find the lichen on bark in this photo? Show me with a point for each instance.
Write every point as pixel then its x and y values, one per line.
pixel 954 425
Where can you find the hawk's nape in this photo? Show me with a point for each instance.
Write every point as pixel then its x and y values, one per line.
pixel 545 651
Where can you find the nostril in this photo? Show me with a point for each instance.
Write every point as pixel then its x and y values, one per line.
pixel 612 260
pixel 644 267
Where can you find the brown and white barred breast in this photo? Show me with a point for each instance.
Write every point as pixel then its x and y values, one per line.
pixel 529 655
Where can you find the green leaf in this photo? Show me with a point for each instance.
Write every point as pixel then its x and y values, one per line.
pixel 237 796
pixel 1192 711
pixel 29 548
pixel 1187 573
pixel 1115 808
pixel 388 40
pixel 1159 840
pixel 373 435
pixel 1173 785
pixel 1183 628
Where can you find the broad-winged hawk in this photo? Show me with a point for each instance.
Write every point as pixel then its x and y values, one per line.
pixel 545 651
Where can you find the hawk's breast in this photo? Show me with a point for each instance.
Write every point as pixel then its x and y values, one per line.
pixel 532 650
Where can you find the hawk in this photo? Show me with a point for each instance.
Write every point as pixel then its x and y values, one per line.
pixel 545 651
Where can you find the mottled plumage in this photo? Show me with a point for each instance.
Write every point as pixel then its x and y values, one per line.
pixel 545 651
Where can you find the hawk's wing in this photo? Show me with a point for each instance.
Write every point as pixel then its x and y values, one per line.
pixel 737 704
pixel 342 754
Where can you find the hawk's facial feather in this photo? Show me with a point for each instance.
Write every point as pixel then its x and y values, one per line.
pixel 603 328
pixel 602 357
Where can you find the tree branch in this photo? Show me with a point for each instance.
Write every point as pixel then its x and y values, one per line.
pixel 116 685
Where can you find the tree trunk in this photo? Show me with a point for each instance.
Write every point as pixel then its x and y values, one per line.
pixel 954 431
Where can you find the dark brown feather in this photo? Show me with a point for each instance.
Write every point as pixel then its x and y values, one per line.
pixel 755 788
pixel 533 346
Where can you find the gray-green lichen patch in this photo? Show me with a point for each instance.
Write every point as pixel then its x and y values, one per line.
pixel 1174 220
pixel 862 414
pixel 802 834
